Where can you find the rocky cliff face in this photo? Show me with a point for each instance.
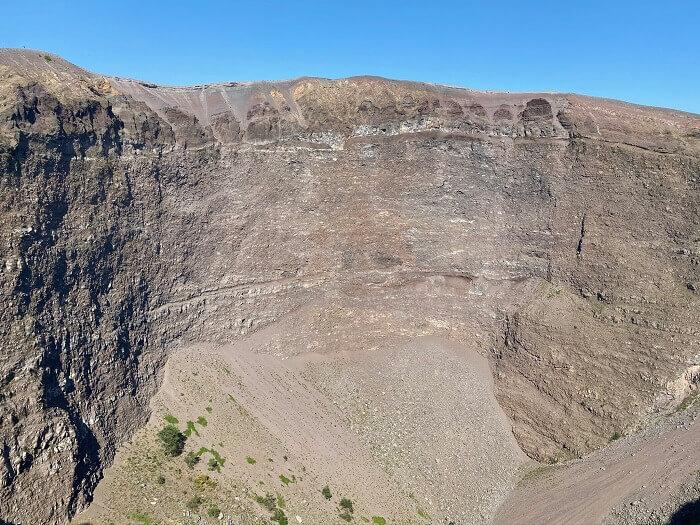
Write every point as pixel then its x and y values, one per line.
pixel 136 217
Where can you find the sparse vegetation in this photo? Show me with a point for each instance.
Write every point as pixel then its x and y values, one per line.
pixel 615 436
pixel 279 516
pixel 203 482
pixel 194 502
pixel 346 509
pixel 346 504
pixel 191 459
pixel 217 456
pixel 688 401
pixel 422 514
pixel 326 491
pixel 141 517
pixel 213 464
pixel 250 461
pixel 191 429
pixel 537 472
pixel 202 421
pixel 284 479
pixel 169 418
pixel 214 511
pixel 274 504
pixel 378 520
pixel 208 409
pixel 269 501
pixel 160 480
pixel 172 439
pixel 48 58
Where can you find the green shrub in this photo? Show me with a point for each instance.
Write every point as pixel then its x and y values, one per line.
pixel 172 439
pixel 279 516
pixel 214 511
pixel 250 461
pixel 345 516
pixel 202 421
pixel 217 456
pixel 160 480
pixel 346 504
pixel 213 464
pixel 191 459
pixel 378 520
pixel 284 479
pixel 191 429
pixel 194 502
pixel 269 501
pixel 326 491
pixel 171 419
pixel 615 436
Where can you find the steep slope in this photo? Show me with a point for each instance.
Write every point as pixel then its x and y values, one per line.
pixel 556 235
pixel 77 370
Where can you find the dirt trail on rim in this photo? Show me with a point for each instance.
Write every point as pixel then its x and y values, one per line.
pixel 634 476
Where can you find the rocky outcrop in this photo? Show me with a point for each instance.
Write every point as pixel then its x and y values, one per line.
pixel 77 364
pixel 136 217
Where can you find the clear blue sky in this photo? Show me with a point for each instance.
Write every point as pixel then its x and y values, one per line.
pixel 641 51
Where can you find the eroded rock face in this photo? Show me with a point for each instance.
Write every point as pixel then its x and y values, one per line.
pixel 136 217
pixel 76 358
